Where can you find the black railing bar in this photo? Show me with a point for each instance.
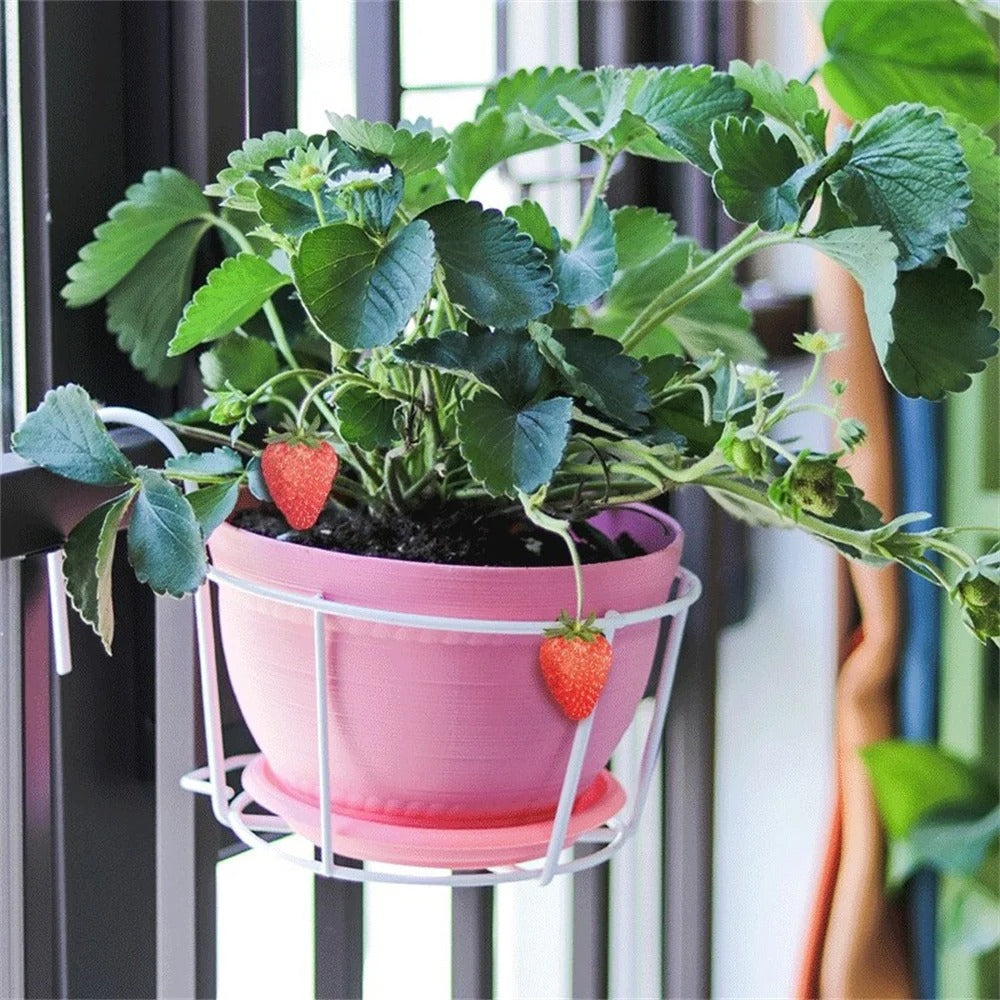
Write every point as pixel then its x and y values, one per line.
pixel 38 508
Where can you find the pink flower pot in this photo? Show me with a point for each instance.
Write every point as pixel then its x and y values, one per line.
pixel 428 728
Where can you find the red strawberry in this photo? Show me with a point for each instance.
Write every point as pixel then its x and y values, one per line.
pixel 299 473
pixel 575 659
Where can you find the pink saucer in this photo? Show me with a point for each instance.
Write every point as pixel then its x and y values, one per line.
pixel 428 847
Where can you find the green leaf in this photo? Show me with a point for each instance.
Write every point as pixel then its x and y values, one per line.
pixel 199 465
pixel 755 170
pixel 681 102
pixel 292 213
pixel 90 550
pixel 165 544
pixel 543 92
pixel 640 234
pixel 584 272
pixel 975 244
pixel 940 332
pixel 144 308
pixel 932 51
pixel 359 293
pixel 410 152
pixel 870 255
pixel 213 504
pixel 491 268
pixel 908 176
pixel 603 95
pixel 366 418
pixel 594 368
pixel 509 362
pixel 232 293
pixel 66 436
pixel 252 158
pixel 790 102
pixel 972 919
pixel 243 362
pixel 422 190
pixel 715 320
pixel 511 448
pixel 954 839
pixel 531 219
pixel 162 201
pixel 480 145
pixel 912 779
pixel 255 480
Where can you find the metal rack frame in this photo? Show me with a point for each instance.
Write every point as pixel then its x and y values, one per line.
pixel 231 809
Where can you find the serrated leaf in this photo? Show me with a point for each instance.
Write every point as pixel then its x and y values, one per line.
pixel 213 504
pixel 584 272
pixel 232 293
pixel 511 449
pixel 755 170
pixel 359 293
pixel 681 102
pixel 715 320
pixel 932 51
pixel 595 369
pixel 162 201
pixel 640 234
pixel 409 151
pixel 491 268
pixel 790 102
pixel 912 779
pixel 422 190
pixel 66 436
pixel 252 157
pixel 478 146
pixel 531 219
pixel 940 332
pixel 292 213
pixel 90 550
pixel 870 255
pixel 165 544
pixel 366 418
pixel 199 465
pixel 976 244
pixel 509 362
pixel 243 362
pixel 590 114
pixel 144 308
pixel 907 175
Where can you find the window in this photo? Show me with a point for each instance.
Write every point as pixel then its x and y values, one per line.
pixel 117 860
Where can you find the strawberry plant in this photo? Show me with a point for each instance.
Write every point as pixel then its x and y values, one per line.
pixel 450 352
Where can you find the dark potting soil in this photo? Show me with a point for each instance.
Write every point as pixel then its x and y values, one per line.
pixel 454 534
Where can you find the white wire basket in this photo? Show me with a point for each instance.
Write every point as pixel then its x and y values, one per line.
pixel 263 830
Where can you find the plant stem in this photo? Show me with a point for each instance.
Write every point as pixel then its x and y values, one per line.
pixel 318 205
pixel 696 281
pixel 560 528
pixel 596 190
pixel 202 434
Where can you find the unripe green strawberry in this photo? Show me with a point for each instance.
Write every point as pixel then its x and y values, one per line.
pixel 299 473
pixel 979 591
pixel 575 659
pixel 746 458
pixel 813 486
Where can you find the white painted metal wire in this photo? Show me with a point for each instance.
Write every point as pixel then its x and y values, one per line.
pixel 233 810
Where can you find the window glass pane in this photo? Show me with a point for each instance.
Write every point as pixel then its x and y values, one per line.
pixel 445 108
pixel 326 59
pixel 447 41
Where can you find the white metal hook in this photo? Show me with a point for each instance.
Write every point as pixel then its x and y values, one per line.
pixel 62 653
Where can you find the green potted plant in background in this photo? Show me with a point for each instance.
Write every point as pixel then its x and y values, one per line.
pixel 395 372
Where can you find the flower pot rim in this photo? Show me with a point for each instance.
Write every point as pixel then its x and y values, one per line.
pixel 672 529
